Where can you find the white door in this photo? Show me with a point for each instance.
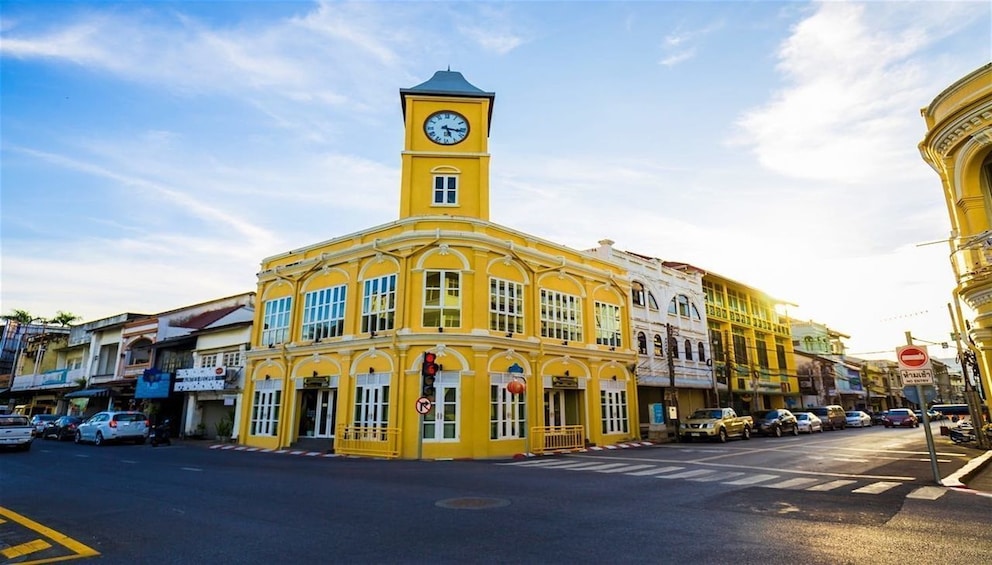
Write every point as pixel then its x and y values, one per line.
pixel 554 408
pixel 326 412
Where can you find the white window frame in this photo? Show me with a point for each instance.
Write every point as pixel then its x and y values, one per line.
pixel 275 321
pixel 232 359
pixel 379 303
pixel 507 412
pixel 266 403
pixel 372 400
pixel 449 314
pixel 613 405
pixel 561 315
pixel 608 324
pixel 208 360
pixel 447 399
pixel 323 312
pixel 444 190
pixel 506 305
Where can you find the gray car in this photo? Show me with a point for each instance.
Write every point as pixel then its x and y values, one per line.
pixel 109 426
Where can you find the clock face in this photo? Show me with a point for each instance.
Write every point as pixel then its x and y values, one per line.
pixel 446 127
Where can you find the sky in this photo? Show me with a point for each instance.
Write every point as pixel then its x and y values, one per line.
pixel 153 153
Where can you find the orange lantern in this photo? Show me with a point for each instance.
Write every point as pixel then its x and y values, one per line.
pixel 516 386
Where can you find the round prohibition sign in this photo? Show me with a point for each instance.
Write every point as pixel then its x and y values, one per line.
pixel 913 357
pixel 424 405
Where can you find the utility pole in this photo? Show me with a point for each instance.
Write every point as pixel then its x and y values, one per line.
pixel 673 393
pixel 972 397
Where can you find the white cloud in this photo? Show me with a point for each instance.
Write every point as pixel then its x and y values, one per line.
pixel 852 84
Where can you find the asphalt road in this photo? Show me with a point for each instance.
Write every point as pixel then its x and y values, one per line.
pixel 851 496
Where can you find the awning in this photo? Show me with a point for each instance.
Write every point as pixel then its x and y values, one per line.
pixel 89 393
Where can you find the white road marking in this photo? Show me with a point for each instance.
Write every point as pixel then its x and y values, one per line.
pixel 830 486
pixel 927 493
pixel 624 469
pixel 574 466
pixel 191 469
pixel 876 488
pixel 717 477
pixel 540 462
pixel 584 467
pixel 793 483
pixel 687 474
pixel 752 480
pixel 655 471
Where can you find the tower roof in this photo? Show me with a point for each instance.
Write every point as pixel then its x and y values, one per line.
pixel 447 83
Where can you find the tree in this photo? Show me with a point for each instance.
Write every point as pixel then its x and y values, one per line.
pixel 20 316
pixel 63 318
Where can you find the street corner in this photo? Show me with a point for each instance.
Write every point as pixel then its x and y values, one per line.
pixel 974 477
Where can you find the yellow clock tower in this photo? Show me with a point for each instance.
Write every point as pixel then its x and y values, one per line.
pixel 446 148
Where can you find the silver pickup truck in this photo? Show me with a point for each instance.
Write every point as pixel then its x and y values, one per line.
pixel 16 432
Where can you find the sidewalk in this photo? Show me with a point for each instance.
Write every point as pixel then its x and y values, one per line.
pixel 981 478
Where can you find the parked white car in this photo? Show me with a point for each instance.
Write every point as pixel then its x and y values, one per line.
pixel 857 419
pixel 113 426
pixel 808 422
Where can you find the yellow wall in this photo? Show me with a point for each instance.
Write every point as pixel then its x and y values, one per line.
pixel 958 146
pixel 724 320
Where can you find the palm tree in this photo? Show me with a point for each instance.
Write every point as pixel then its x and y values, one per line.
pixel 20 316
pixel 63 318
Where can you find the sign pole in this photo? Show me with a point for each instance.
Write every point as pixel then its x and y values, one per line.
pixel 926 423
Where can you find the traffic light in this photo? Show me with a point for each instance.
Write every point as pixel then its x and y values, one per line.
pixel 429 372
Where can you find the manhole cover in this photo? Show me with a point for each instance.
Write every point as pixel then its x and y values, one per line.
pixel 472 503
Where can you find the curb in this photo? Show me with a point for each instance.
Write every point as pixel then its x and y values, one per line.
pixel 973 467
pixel 625 445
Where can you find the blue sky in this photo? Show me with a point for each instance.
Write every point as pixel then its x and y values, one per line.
pixel 154 152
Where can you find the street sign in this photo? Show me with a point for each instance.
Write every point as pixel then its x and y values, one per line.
pixel 909 378
pixel 424 405
pixel 914 365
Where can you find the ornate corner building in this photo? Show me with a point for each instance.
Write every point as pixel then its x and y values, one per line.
pixel 958 146
pixel 400 340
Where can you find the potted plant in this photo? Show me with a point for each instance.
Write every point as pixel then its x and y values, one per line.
pixel 224 428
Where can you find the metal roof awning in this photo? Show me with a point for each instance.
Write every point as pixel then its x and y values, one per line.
pixel 89 393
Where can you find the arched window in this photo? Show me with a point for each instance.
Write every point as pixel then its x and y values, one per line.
pixel 688 350
pixel 637 293
pixel 652 303
pixel 642 343
pixel 673 347
pixel 702 352
pixel 659 346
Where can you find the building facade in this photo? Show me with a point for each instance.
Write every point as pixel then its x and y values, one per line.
pixel 958 146
pixel 403 340
pixel 752 345
pixel 668 319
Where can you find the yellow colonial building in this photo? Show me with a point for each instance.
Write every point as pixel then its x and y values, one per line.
pixel 345 326
pixel 752 347
pixel 958 146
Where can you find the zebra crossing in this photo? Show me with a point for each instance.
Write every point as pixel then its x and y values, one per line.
pixel 735 478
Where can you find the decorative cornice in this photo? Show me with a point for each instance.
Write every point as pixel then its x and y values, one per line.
pixel 973 124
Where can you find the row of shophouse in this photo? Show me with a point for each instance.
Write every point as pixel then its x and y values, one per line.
pixel 716 340
pixel 443 334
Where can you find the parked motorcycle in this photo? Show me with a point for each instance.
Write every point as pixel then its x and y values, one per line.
pixel 160 434
pixel 963 433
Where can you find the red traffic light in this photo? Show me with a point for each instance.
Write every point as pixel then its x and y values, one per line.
pixel 429 368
